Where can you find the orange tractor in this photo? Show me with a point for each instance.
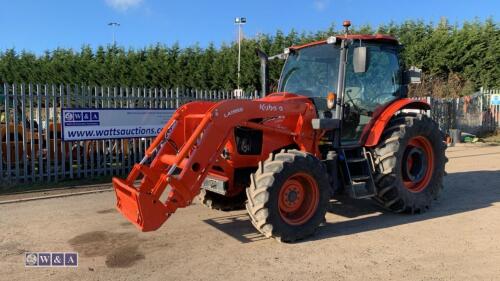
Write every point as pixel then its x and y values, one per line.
pixel 340 123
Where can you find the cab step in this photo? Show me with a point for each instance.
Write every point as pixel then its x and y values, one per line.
pixel 358 172
pixel 360 178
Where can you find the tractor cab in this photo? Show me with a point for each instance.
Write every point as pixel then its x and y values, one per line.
pixel 373 77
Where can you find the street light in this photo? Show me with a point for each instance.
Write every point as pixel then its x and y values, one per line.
pixel 113 26
pixel 239 21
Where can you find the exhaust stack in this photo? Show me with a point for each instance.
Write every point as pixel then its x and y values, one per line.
pixel 264 72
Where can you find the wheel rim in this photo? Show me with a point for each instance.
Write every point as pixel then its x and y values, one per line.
pixel 298 199
pixel 417 164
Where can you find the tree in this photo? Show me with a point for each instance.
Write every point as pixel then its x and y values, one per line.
pixel 456 59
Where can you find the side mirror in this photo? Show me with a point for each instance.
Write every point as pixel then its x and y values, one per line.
pixel 360 59
pixel 413 75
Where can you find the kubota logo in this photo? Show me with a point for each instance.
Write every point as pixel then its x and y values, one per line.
pixel 270 107
pixel 233 112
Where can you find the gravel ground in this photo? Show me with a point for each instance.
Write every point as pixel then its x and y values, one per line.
pixel 456 240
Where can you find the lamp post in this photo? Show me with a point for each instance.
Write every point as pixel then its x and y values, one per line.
pixel 113 26
pixel 239 21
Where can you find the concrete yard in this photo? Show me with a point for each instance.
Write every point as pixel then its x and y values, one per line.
pixel 458 239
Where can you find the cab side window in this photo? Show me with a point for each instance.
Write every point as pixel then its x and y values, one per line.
pixel 380 83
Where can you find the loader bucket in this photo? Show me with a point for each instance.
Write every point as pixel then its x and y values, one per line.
pixel 141 209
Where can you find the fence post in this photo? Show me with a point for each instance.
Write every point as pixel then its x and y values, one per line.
pixel 7 132
pixel 155 101
pixel 16 131
pixel 1 141
pixel 429 101
pixel 63 145
pixel 122 141
pixel 103 144
pixel 96 146
pixel 481 110
pixel 135 142
pixel 54 133
pixel 176 97
pixel 40 136
pixel 47 128
pixel 32 132
pixel 24 137
pixel 67 103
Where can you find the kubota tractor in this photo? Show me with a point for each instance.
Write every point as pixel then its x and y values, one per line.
pixel 340 123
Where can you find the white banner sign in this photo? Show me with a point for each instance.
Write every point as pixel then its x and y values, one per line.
pixel 98 124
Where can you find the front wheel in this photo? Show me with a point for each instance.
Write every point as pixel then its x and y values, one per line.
pixel 410 164
pixel 288 195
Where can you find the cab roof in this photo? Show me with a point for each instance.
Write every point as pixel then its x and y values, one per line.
pixel 382 38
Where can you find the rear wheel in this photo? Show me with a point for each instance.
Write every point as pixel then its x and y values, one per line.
pixel 410 164
pixel 288 195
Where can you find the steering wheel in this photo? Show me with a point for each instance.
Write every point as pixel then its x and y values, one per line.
pixel 360 82
pixel 365 99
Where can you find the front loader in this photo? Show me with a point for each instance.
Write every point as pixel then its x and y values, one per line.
pixel 340 123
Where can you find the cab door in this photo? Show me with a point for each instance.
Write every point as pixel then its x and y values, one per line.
pixel 366 92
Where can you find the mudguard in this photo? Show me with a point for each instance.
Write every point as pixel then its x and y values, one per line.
pixel 381 117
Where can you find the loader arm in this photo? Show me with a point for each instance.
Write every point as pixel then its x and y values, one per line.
pixel 178 174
